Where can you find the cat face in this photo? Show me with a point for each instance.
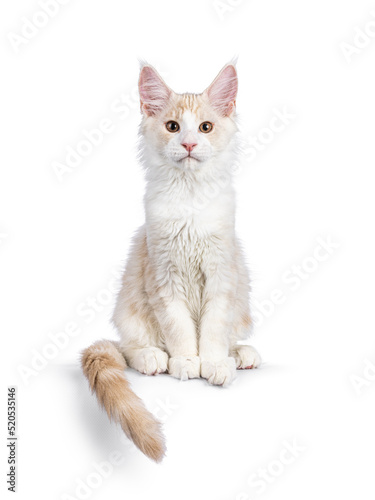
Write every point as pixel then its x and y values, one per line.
pixel 187 130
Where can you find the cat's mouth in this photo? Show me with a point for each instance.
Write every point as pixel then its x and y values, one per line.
pixel 186 157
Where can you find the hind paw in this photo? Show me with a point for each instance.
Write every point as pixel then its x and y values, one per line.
pixel 150 361
pixel 246 357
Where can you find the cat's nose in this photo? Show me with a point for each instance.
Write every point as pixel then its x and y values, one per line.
pixel 189 146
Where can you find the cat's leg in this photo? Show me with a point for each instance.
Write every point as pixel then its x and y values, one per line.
pixel 134 318
pixel 245 356
pixel 138 343
pixel 177 327
pixel 217 365
pixel 180 337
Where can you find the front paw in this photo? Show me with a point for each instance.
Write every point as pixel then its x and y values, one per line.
pixel 184 367
pixel 219 373
pixel 150 361
pixel 246 357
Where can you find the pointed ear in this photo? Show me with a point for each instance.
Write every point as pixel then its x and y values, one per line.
pixel 154 93
pixel 223 90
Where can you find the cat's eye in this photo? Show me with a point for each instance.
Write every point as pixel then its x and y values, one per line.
pixel 172 126
pixel 206 127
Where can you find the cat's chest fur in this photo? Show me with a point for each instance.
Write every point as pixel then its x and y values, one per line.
pixel 188 244
pixel 187 228
pixel 181 251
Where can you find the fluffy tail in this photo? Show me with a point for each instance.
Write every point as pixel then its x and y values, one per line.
pixel 103 365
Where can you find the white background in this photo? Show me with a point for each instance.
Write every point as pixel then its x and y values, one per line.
pixel 62 243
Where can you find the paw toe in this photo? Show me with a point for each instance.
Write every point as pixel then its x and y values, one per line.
pixel 184 367
pixel 219 373
pixel 151 361
pixel 246 357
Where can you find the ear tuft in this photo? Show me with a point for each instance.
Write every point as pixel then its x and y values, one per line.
pixel 154 93
pixel 223 90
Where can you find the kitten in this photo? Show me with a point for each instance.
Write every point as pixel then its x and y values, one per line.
pixel 183 305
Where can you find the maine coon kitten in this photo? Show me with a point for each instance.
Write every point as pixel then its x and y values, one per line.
pixel 183 305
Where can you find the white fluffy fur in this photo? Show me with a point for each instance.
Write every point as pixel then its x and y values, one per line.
pixel 183 305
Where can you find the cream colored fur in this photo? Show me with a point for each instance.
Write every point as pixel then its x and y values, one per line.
pixel 184 302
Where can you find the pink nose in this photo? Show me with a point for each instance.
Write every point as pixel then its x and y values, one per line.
pixel 189 147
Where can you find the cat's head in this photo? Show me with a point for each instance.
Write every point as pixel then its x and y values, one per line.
pixel 188 130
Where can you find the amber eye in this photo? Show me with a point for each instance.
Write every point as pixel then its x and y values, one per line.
pixel 206 127
pixel 172 126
